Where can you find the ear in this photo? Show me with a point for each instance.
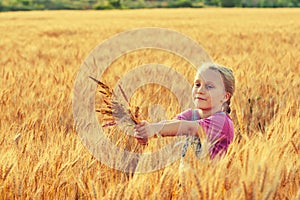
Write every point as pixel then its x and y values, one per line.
pixel 227 96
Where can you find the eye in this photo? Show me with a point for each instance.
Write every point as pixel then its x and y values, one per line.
pixel 197 84
pixel 209 86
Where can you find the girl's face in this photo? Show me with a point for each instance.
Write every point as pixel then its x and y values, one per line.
pixel 209 91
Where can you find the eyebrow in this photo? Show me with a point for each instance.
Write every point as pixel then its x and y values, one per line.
pixel 208 82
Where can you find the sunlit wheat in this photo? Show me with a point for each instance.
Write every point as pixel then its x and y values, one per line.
pixel 42 156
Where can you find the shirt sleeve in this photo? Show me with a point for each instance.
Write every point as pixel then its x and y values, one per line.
pixel 219 133
pixel 218 129
pixel 185 115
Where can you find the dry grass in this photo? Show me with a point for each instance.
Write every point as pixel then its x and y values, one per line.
pixel 43 158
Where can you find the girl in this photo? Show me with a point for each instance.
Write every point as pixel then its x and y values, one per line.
pixel 212 90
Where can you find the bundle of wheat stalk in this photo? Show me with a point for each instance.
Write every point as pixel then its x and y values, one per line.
pixel 116 111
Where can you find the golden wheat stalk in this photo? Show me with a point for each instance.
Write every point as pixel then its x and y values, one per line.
pixel 114 110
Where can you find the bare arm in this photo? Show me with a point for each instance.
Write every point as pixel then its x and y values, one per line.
pixel 166 128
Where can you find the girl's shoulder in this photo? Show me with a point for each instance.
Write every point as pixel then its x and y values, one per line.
pixel 185 115
pixel 220 116
pixel 193 114
pixel 218 124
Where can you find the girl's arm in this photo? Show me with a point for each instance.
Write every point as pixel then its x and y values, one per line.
pixel 166 128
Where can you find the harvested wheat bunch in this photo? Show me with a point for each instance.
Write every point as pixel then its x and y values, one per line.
pixel 114 110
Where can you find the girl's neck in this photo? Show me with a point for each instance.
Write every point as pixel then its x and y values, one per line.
pixel 207 113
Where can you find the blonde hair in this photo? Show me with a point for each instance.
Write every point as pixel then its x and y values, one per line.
pixel 228 80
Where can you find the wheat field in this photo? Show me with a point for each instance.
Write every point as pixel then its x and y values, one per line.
pixel 42 156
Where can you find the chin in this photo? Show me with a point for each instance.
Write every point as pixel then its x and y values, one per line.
pixel 202 108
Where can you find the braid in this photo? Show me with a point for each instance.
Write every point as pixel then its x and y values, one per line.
pixel 226 106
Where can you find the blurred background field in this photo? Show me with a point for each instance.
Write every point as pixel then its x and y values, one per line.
pixel 17 5
pixel 41 156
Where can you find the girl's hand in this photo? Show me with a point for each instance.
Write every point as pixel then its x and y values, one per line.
pixel 143 131
pixel 142 141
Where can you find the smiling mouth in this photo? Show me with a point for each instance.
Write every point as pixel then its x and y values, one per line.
pixel 199 98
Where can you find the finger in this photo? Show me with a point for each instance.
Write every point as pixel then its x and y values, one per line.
pixel 142 135
pixel 143 122
pixel 137 135
pixel 136 127
pixel 140 130
pixel 142 141
pixel 139 127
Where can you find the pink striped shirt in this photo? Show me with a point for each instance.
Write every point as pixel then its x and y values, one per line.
pixel 218 127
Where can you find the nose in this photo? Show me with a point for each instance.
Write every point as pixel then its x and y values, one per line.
pixel 201 89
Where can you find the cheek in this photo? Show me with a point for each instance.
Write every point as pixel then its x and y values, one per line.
pixel 213 96
pixel 193 91
pixel 217 97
